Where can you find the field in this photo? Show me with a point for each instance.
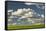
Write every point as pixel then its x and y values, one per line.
pixel 12 27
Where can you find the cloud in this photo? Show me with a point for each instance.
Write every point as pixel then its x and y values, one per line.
pixel 29 14
pixel 33 4
pixel 29 19
pixel 37 6
pixel 9 19
pixel 38 14
pixel 10 10
pixel 25 13
pixel 43 7
pixel 21 12
pixel 42 15
pixel 40 6
pixel 30 3
pixel 23 16
pixel 14 23
pixel 18 12
pixel 26 10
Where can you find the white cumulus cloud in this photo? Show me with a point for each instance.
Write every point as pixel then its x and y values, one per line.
pixel 18 12
pixel 21 11
pixel 42 15
pixel 10 10
pixel 26 13
pixel 30 3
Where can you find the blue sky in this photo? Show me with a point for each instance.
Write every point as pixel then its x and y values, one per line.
pixel 14 6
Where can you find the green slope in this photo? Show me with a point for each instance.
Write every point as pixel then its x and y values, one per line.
pixel 26 26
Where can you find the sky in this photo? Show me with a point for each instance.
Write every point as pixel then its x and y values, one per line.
pixel 37 7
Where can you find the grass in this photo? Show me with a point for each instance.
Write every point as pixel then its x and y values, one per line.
pixel 12 27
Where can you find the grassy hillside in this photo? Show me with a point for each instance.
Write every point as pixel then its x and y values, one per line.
pixel 26 26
